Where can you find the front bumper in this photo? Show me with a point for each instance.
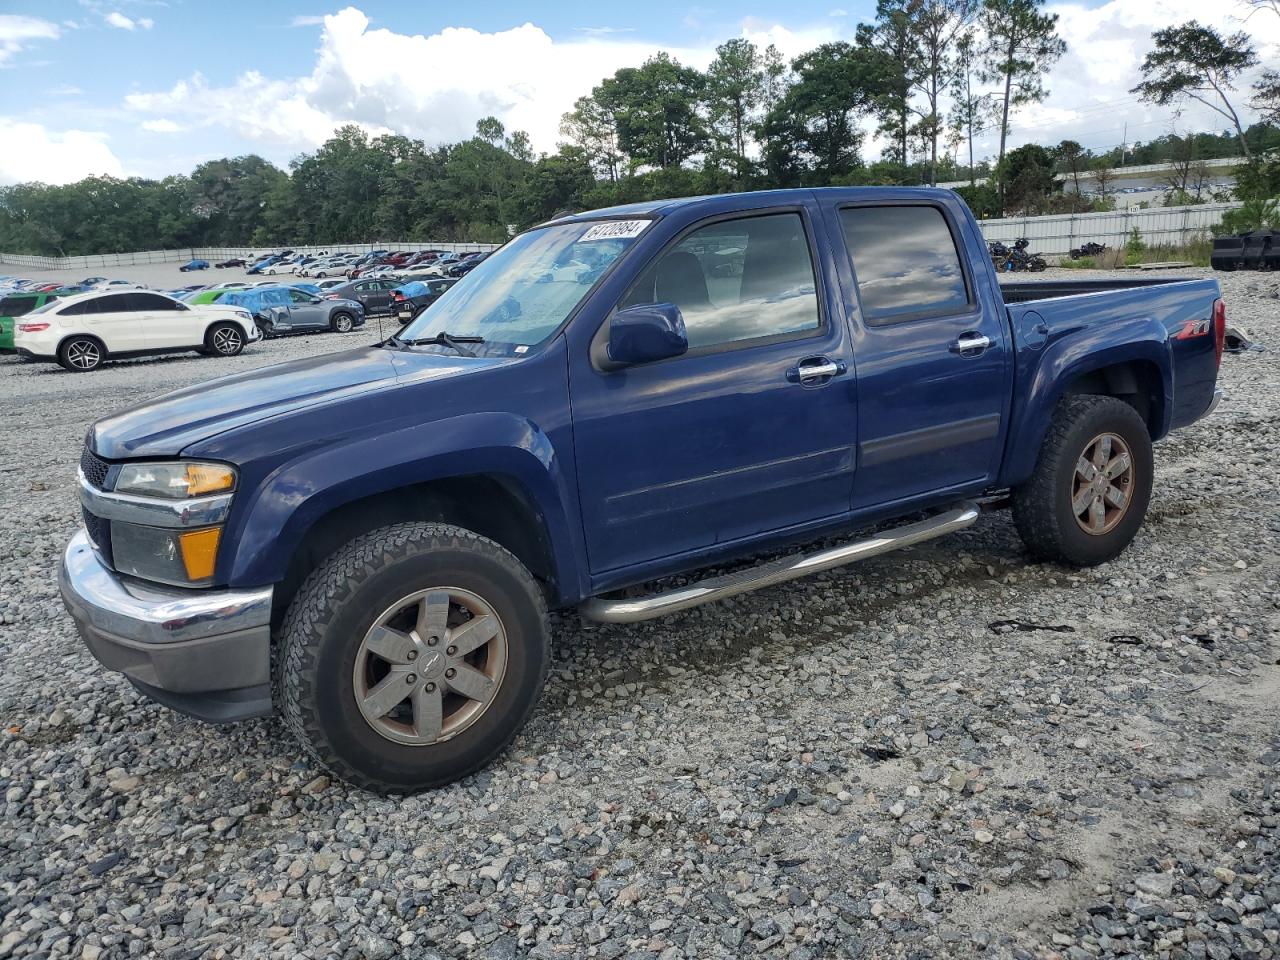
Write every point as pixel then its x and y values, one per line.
pixel 206 653
pixel 1213 404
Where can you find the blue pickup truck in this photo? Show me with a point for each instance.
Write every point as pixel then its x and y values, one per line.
pixel 368 542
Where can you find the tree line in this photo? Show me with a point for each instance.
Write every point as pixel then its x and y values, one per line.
pixel 928 75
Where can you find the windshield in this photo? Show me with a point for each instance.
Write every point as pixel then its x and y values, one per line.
pixel 517 297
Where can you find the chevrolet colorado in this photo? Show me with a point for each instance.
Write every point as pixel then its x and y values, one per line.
pixel 368 541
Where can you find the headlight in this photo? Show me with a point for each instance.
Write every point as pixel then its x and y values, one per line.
pixel 244 315
pixel 175 481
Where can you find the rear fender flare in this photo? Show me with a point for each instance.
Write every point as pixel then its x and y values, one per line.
pixel 1066 360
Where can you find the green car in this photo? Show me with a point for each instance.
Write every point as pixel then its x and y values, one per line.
pixel 14 305
pixel 206 296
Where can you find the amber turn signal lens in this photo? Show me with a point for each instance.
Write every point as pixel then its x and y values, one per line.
pixel 205 478
pixel 199 551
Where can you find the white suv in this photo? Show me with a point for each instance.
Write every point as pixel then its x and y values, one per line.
pixel 83 331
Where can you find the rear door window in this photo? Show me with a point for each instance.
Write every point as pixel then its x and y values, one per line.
pixel 906 262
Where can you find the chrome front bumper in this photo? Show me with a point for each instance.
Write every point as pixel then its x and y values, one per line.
pixel 203 652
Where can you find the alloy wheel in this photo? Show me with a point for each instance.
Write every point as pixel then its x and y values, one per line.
pixel 84 354
pixel 1102 484
pixel 430 666
pixel 226 340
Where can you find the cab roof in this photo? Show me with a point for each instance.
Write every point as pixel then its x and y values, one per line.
pixel 727 202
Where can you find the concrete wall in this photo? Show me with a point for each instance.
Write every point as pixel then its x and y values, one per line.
pixel 212 254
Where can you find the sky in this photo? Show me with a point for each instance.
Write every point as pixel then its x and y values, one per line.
pixel 154 87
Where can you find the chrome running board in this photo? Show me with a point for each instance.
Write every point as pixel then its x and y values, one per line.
pixel 957 517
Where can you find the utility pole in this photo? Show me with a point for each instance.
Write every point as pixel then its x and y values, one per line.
pixel 1124 144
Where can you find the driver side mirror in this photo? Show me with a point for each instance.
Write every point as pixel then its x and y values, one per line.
pixel 646 333
pixel 317 300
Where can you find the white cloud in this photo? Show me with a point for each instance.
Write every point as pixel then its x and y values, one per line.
pixel 17 31
pixel 117 19
pixel 53 157
pixel 307 20
pixel 838 12
pixel 423 86
pixel 163 125
pixel 428 86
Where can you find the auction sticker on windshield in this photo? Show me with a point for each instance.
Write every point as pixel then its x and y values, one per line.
pixel 615 230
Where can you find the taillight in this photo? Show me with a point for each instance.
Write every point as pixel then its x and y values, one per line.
pixel 32 327
pixel 1219 330
pixel 397 295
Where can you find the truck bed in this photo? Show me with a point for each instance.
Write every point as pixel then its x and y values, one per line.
pixel 1025 291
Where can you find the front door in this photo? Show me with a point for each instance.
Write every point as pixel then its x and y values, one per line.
pixel 166 322
pixel 932 357
pixel 752 431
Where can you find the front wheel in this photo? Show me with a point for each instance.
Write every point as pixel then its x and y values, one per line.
pixel 1091 486
pixel 224 340
pixel 342 322
pixel 412 657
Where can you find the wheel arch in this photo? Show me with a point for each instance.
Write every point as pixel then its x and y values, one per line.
pixel 106 351
pixel 495 506
pixel 1138 371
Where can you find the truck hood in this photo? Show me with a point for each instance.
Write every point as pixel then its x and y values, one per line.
pixel 165 425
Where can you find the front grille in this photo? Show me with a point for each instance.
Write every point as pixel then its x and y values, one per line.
pixel 99 531
pixel 94 468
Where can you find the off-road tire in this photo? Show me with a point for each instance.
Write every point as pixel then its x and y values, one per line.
pixel 322 630
pixel 1042 509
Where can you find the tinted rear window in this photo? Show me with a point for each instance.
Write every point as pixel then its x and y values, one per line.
pixel 906 262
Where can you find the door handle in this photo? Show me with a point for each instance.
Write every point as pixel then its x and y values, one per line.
pixel 970 343
pixel 815 370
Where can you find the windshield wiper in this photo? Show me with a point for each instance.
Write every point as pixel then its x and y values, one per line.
pixel 444 340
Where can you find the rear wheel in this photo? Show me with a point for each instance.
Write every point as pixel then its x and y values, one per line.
pixel 1092 483
pixel 81 354
pixel 412 656
pixel 342 322
pixel 224 339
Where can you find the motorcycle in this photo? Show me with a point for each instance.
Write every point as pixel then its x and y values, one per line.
pixel 1015 259
pixel 1087 250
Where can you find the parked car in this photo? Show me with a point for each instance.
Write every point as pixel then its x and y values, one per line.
pixel 194 265
pixel 83 332
pixel 588 411
pixel 372 294
pixel 410 299
pixel 334 266
pixel 18 304
pixel 284 266
pixel 231 262
pixel 465 265
pixel 119 285
pixel 330 283
pixel 301 312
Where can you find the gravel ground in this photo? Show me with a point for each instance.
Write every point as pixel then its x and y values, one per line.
pixel 947 752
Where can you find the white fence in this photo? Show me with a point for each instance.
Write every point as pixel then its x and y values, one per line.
pixel 105 260
pixel 1056 235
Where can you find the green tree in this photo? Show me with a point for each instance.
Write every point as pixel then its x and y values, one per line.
pixel 937 29
pixel 656 111
pixel 592 127
pixel 734 92
pixel 229 194
pixel 1025 179
pixel 893 36
pixel 813 133
pixel 1191 62
pixel 1021 44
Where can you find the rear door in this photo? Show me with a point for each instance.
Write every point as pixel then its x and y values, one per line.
pixel 112 319
pixel 931 350
pixel 304 313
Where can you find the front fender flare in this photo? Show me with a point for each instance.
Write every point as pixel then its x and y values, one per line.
pixel 270 525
